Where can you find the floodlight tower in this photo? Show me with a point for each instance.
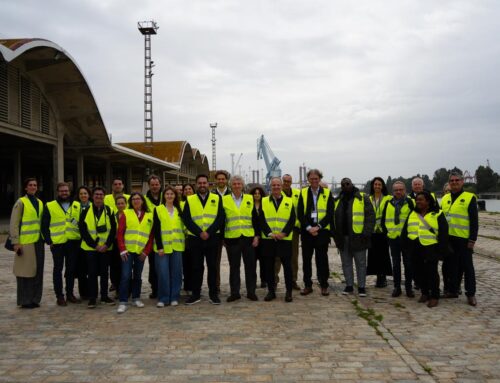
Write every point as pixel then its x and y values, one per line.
pixel 214 162
pixel 148 28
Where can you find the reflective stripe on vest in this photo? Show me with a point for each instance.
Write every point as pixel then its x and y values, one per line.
pixel 277 220
pixel 137 233
pixel 393 230
pixel 58 222
pixel 72 230
pixel 358 214
pixel 457 214
pixel 379 210
pixel 321 203
pixel 29 230
pixel 90 220
pixel 203 216
pixel 238 220
pixel 172 230
pixel 417 229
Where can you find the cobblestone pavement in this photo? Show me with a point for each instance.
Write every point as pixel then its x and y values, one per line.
pixel 314 338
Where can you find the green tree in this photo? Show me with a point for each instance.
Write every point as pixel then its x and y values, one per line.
pixel 439 179
pixel 486 179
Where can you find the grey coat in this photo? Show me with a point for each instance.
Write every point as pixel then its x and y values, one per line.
pixel 360 241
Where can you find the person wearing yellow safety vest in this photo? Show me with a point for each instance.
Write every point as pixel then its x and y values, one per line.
pixel 221 180
pixel 98 229
pixel 135 242
pixel 460 209
pixel 169 239
pixel 354 220
pixel 187 259
pixel 241 235
pixel 425 234
pixel 417 186
pixel 294 194
pixel 153 198
pixel 117 190
pixel 115 260
pixel 379 259
pixel 24 233
pixel 276 221
pixel 394 216
pixel 315 214
pixel 80 204
pixel 257 192
pixel 203 216
pixel 57 227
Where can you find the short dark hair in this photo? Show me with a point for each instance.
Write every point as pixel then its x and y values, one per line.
pixel 153 177
pixel 28 180
pixel 315 171
pixel 117 179
pixel 98 188
pixel 200 176
pixel 259 188
pixel 121 197
pixel 61 184
pixel 144 203
pixel 219 172
pixel 433 205
pixel 384 186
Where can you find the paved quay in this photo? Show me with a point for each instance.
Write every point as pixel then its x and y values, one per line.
pixel 312 339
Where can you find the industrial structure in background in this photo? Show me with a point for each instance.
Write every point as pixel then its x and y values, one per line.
pixel 148 28
pixel 272 162
pixel 214 155
pixel 234 166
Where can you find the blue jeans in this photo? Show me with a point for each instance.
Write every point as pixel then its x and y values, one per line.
pixel 131 267
pixel 169 273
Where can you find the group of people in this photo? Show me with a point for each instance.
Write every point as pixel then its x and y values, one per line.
pixel 98 237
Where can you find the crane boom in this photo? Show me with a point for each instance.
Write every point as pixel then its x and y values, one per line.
pixel 272 162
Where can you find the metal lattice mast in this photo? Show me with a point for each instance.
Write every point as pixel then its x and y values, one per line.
pixel 148 28
pixel 214 162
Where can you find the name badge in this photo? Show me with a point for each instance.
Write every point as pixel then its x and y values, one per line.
pixel 314 215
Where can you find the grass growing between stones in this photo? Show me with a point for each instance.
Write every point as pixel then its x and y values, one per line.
pixel 372 318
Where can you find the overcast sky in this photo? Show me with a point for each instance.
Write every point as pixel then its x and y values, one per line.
pixel 356 89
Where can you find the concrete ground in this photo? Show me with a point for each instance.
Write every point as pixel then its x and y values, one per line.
pixel 314 338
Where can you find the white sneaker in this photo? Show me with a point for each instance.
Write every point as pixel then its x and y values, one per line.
pixel 174 303
pixel 138 303
pixel 121 308
pixel 160 304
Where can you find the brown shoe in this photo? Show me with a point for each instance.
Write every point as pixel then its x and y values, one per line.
pixel 73 299
pixel 472 301
pixel 61 302
pixel 324 291
pixel 432 303
pixel 306 291
pixel 423 298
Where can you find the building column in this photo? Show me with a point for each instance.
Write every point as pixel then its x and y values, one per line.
pixel 128 183
pixel 107 181
pixel 58 155
pixel 80 170
pixel 17 175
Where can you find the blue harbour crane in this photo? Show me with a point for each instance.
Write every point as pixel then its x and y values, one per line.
pixel 272 162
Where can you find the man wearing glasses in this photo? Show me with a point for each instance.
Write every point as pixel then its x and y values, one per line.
pixel 460 209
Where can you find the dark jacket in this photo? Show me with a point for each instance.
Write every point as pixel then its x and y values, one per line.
pixel 357 242
pixel 217 225
pixel 305 217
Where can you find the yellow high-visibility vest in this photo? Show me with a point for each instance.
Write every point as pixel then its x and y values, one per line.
pixel 358 214
pixel 92 224
pixel 203 216
pixel 109 200
pixel 393 230
pixel 29 231
pixel 379 210
pixel 58 222
pixel 417 228
pixel 277 219
pixel 238 220
pixel 457 214
pixel 137 233
pixel 172 230
pixel 322 202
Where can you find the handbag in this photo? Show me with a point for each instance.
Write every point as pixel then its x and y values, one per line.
pixel 8 244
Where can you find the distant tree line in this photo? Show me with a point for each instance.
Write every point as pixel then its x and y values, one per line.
pixel 486 180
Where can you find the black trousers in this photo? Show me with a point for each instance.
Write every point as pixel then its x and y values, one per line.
pixel 272 249
pixel 152 277
pixel 115 267
pixel 97 264
pixel 426 267
pixel 238 248
pixel 397 252
pixel 201 250
pixel 81 267
pixel 187 269
pixel 460 265
pixel 63 254
pixel 319 246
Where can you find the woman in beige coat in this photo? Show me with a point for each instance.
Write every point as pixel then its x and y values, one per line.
pixel 28 246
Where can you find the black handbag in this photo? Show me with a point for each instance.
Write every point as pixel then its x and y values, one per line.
pixel 8 244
